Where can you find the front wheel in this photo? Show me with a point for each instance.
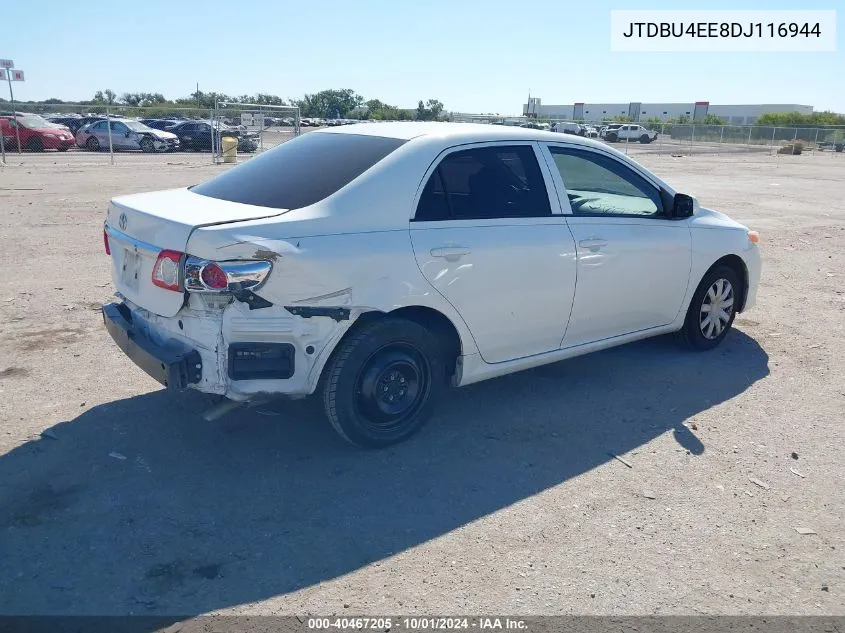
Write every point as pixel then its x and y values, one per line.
pixel 382 381
pixel 611 138
pixel 712 309
pixel 35 145
pixel 645 140
pixel 93 144
pixel 147 145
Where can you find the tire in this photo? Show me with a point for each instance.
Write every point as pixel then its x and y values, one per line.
pixel 147 145
pixel 93 144
pixel 721 285
pixel 35 144
pixel 611 138
pixel 644 139
pixel 63 148
pixel 382 360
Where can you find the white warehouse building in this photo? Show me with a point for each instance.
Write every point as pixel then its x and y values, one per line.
pixel 638 111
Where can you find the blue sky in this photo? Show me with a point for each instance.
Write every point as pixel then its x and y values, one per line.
pixel 473 56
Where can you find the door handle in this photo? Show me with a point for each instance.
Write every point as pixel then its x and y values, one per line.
pixel 450 252
pixel 593 243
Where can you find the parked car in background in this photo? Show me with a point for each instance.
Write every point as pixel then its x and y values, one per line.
pixel 126 135
pixel 161 124
pixel 261 281
pixel 607 129
pixel 591 132
pixel 35 132
pixel 630 133
pixel 197 136
pixel 73 123
pixel 569 127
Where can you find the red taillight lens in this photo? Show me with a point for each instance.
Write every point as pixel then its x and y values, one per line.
pixel 214 277
pixel 106 242
pixel 166 270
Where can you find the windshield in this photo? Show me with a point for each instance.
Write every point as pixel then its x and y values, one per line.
pixel 301 171
pixel 136 126
pixel 35 122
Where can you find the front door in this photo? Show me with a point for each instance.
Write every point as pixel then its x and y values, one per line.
pixel 633 260
pixel 489 238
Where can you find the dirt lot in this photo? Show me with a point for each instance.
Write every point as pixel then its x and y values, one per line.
pixel 508 502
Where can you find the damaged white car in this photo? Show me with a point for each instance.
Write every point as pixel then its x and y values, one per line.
pixel 376 265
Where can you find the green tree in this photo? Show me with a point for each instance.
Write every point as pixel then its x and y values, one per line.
pixel 105 97
pixel 797 119
pixel 712 119
pixel 329 103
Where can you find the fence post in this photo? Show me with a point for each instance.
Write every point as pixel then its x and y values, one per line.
pixel 3 147
pixel 108 127
pixel 750 129
pixel 214 133
pixel 721 136
pixel 691 139
pixel 794 139
pixel 816 142
pixel 772 145
pixel 660 142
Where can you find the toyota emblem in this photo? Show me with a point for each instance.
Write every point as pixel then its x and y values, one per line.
pixel 121 222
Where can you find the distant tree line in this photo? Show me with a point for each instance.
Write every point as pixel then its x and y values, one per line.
pixel 327 104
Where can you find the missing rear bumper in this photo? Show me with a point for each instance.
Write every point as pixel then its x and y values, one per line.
pixel 173 364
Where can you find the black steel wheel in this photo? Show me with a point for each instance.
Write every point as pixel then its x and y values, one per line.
pixel 380 385
pixel 93 144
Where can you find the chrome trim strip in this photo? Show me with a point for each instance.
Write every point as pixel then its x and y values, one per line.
pixel 122 238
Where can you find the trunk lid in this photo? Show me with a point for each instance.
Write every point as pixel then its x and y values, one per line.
pixel 140 226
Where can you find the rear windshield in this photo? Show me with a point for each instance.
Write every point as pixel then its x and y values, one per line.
pixel 300 172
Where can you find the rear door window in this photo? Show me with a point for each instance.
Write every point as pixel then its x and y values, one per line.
pixel 301 171
pixel 485 182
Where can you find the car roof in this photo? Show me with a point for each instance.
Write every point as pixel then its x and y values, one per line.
pixel 454 133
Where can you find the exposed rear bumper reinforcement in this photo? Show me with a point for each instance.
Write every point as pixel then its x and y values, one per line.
pixel 306 312
pixel 173 364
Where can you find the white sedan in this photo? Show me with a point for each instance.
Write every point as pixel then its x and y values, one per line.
pixel 376 265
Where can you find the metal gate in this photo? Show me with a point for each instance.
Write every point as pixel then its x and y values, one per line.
pixel 258 127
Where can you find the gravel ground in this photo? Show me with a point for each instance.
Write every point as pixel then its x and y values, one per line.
pixel 116 497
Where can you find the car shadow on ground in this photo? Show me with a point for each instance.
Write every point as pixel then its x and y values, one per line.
pixel 140 506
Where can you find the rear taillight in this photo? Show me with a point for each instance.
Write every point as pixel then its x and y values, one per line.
pixel 106 242
pixel 203 275
pixel 214 277
pixel 166 270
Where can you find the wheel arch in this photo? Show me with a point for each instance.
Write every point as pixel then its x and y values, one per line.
pixel 430 318
pixel 737 264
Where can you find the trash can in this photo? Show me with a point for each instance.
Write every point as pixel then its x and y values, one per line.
pixel 230 149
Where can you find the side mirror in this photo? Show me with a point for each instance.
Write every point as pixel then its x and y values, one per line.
pixel 683 206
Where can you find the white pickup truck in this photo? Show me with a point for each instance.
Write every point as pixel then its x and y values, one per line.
pixel 630 133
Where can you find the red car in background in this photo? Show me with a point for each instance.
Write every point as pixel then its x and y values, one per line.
pixel 36 133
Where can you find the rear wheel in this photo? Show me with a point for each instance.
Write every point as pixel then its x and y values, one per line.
pixel 382 381
pixel 712 309
pixel 612 138
pixel 93 144
pixel 35 145
pixel 147 145
pixel 644 139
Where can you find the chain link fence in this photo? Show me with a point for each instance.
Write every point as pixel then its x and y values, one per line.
pixel 113 133
pixel 690 139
